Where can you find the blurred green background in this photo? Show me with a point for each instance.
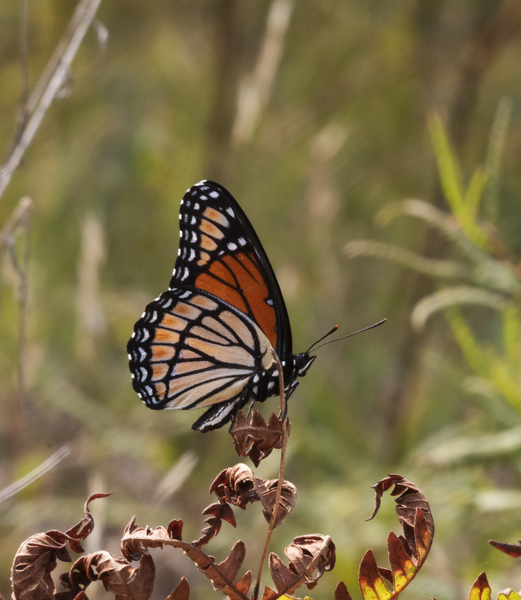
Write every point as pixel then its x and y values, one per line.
pixel 313 113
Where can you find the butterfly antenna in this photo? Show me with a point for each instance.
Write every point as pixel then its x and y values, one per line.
pixel 315 347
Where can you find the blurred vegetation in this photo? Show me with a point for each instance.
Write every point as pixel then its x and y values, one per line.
pixel 314 115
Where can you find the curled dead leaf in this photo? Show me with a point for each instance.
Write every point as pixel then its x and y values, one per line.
pixel 37 557
pixel 407 552
pixel 307 554
pixel 256 438
pixel 137 540
pixel 84 526
pixel 235 485
pixel 267 491
pixel 116 574
pixel 34 562
pixel 219 512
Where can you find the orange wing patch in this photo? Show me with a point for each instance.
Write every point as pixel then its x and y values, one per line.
pixel 192 366
pixel 171 322
pixel 214 215
pixel 208 244
pixel 211 229
pixel 225 292
pixel 160 390
pixel 240 272
pixel 204 302
pixel 159 371
pixel 166 336
pixel 256 292
pixel 161 353
pixel 185 310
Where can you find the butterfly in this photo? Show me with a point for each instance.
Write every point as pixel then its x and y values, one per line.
pixel 206 342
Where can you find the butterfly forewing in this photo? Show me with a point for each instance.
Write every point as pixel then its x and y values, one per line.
pixel 220 253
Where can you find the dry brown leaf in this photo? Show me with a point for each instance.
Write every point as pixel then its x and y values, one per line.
pixel 35 560
pixel 239 486
pixel 513 550
pixel 341 592
pixel 37 557
pixel 181 592
pixel 219 512
pixel 84 527
pixel 235 485
pixel 407 552
pixel 267 491
pixel 230 566
pixel 137 540
pixel 255 438
pixel 307 554
pixel 116 574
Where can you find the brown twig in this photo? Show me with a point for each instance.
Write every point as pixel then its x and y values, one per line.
pixel 47 87
pixel 281 471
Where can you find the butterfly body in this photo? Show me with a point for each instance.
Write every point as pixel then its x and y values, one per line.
pixel 207 341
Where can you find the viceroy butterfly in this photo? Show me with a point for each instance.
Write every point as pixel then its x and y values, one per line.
pixel 206 341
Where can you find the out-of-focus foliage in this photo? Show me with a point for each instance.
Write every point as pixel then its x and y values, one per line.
pixel 313 114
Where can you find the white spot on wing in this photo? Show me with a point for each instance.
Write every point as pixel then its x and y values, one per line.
pixel 230 212
pixel 214 194
pixel 242 241
pixel 232 246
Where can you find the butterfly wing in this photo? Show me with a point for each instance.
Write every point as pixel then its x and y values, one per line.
pixel 189 350
pixel 206 342
pixel 219 252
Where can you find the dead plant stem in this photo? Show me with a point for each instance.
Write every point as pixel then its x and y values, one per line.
pixel 53 77
pixel 271 527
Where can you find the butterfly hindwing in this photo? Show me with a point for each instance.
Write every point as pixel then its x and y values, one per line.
pixel 219 252
pixel 189 350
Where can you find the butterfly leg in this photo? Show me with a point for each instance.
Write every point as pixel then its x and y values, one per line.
pixel 250 408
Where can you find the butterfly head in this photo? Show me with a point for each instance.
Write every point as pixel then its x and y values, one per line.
pixel 302 363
